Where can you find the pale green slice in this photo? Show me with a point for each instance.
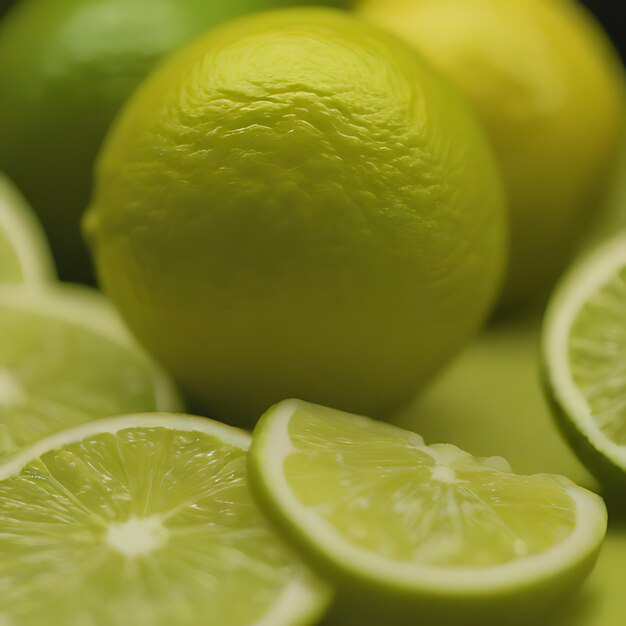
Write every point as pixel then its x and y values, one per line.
pixel 428 528
pixel 65 359
pixel 584 354
pixel 24 253
pixel 143 520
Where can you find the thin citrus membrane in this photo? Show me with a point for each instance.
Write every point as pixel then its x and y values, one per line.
pixel 24 253
pixel 584 348
pixel 143 520
pixel 66 358
pixel 374 506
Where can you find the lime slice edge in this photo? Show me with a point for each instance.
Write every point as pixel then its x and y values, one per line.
pixel 580 285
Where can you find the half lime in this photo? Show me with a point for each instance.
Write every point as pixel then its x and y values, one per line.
pixel 427 531
pixel 143 520
pixel 584 357
pixel 65 359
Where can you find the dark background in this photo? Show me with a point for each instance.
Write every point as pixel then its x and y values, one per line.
pixel 605 10
pixel 608 13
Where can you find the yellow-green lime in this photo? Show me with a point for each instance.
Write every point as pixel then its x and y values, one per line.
pixel 66 67
pixel 549 89
pixel 297 204
pixel 429 531
pixel 144 520
pixel 24 253
pixel 584 356
pixel 65 359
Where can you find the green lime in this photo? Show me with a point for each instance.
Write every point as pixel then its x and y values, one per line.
pixel 66 67
pixel 65 359
pixel 584 355
pixel 144 520
pixel 549 89
pixel 306 208
pixel 428 529
pixel 24 253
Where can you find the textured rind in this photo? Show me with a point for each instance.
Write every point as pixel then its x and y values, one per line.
pixel 66 67
pixel 528 69
pixel 307 190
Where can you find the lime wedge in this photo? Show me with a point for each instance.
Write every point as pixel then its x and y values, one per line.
pixel 65 359
pixel 24 253
pixel 429 529
pixel 584 356
pixel 143 520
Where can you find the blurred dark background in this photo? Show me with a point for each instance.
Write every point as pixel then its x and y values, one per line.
pixel 607 11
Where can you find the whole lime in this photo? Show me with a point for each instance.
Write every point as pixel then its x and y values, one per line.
pixel 548 88
pixel 296 205
pixel 66 67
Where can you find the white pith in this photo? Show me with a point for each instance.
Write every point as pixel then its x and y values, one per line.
pixel 582 283
pixel 583 540
pixel 26 237
pixel 88 309
pixel 297 600
pixel 137 535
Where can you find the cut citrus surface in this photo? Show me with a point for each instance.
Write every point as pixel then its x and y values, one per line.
pixel 376 508
pixel 65 359
pixel 143 520
pixel 24 253
pixel 584 352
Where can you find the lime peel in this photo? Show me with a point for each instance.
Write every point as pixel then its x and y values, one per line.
pixel 586 280
pixel 22 236
pixel 441 580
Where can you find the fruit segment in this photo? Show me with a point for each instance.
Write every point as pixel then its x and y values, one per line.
pixel 65 359
pixel 584 350
pixel 375 507
pixel 143 520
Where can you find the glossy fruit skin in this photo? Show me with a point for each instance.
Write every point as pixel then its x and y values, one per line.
pixel 549 89
pixel 296 205
pixel 66 67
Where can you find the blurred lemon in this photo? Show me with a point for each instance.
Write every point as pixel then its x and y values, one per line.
pixel 66 66
pixel 296 205
pixel 548 87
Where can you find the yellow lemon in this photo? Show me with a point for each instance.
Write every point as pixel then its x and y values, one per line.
pixel 548 88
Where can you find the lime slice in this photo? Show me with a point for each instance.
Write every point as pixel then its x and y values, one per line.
pixel 65 359
pixel 143 520
pixel 584 354
pixel 430 529
pixel 24 253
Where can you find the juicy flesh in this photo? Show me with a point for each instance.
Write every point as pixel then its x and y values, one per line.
pixel 54 374
pixel 388 493
pixel 148 526
pixel 597 353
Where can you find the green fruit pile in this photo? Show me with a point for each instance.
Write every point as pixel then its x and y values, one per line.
pixel 307 203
